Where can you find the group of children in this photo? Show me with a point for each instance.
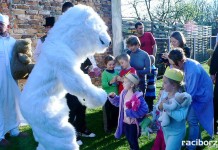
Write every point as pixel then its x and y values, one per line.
pixel 126 106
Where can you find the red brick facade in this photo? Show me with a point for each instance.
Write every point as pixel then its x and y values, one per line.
pixel 27 17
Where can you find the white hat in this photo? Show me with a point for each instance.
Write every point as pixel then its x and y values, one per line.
pixel 133 78
pixel 4 19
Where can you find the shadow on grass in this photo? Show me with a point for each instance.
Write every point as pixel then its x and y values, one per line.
pixel 19 143
pixel 102 140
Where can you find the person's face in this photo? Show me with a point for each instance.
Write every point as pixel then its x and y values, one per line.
pixel 133 47
pixel 174 42
pixel 127 84
pixel 124 64
pixel 3 28
pixel 140 29
pixel 110 65
pixel 168 87
pixel 179 66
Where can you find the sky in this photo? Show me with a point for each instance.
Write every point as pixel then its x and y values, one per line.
pixel 128 11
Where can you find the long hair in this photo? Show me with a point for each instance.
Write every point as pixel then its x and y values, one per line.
pixel 180 38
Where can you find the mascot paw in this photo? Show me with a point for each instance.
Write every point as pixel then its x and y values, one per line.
pixel 96 99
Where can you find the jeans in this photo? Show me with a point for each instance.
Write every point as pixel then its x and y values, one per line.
pixel 194 127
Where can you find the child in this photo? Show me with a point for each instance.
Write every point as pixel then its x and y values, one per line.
pixel 181 100
pixel 175 131
pixel 150 94
pixel 129 114
pixel 109 84
pixel 123 60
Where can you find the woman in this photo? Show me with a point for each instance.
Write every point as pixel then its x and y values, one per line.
pixel 177 39
pixel 199 85
pixel 214 77
pixel 139 60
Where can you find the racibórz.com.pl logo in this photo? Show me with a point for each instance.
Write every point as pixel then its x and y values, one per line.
pixel 199 142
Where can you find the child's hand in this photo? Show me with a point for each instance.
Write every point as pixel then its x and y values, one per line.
pixel 160 107
pixel 113 80
pixel 112 95
pixel 120 79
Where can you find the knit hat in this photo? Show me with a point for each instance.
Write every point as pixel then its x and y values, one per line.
pixel 174 74
pixel 4 19
pixel 133 78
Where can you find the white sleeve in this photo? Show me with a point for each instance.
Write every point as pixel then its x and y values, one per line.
pixel 37 50
pixel 171 106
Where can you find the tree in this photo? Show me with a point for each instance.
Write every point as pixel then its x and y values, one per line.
pixel 172 11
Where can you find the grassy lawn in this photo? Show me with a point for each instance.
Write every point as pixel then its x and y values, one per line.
pixel 102 141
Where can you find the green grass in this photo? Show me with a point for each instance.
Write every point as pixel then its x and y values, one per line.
pixel 102 141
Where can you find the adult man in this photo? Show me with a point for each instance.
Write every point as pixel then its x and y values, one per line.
pixel 9 91
pixel 147 40
pixel 48 25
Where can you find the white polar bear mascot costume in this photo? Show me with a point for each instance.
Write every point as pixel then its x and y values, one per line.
pixel 77 34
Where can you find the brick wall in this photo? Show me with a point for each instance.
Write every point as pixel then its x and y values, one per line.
pixel 27 18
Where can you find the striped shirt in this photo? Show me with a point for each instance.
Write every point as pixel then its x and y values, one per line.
pixel 151 82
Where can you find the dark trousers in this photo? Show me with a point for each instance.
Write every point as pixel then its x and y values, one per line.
pixel 142 86
pixel 150 102
pixel 110 116
pixel 215 105
pixel 131 133
pixel 77 114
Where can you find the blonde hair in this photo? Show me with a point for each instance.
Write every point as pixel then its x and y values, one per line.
pixel 135 87
pixel 123 56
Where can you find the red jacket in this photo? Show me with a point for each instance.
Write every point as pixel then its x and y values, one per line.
pixel 122 73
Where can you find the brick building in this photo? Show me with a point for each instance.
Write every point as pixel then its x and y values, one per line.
pixel 27 17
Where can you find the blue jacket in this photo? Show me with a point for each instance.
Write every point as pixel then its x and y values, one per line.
pixel 199 85
pixel 118 101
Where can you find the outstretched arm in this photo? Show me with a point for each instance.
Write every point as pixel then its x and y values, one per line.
pixel 115 100
pixel 78 83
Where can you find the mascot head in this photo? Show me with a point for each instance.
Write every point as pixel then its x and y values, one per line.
pixel 82 29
